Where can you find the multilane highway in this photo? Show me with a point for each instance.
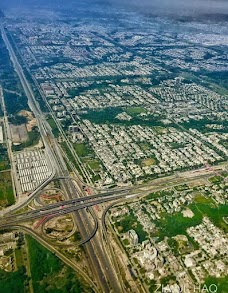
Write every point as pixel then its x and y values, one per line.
pixel 58 209
pixel 98 260
pixel 101 266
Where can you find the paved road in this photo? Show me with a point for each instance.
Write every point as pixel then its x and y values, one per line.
pixel 100 263
pixel 101 267
pixel 60 255
pixel 53 211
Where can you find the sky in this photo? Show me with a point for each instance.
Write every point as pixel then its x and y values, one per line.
pixel 178 7
pixel 187 7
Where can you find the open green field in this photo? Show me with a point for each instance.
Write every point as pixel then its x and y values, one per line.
pixel 85 153
pixel 19 257
pixel 108 116
pixel 199 198
pixel 216 179
pixel 175 224
pixel 130 222
pixel 3 165
pixel 49 273
pixel 6 189
pixel 81 149
pixel 13 281
pixel 221 283
pixel 148 162
pixel 160 130
pixel 135 110
pixel 93 164
pixel 157 194
pixel 145 146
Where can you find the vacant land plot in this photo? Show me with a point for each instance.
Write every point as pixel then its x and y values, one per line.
pixel 33 139
pixel 18 133
pixel 145 146
pixel 6 189
pixel 160 130
pixel 4 159
pixel 148 162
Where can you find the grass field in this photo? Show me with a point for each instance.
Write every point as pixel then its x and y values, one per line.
pixel 135 110
pixel 81 149
pixel 216 179
pixel 4 159
pixel 13 281
pixel 148 162
pixel 94 164
pixel 157 194
pixel 3 165
pixel 19 257
pixel 54 128
pixel 6 189
pixel 215 213
pixel 175 224
pixel 49 273
pixel 221 283
pixel 199 198
pixel 130 222
pixel 145 146
pixel 160 130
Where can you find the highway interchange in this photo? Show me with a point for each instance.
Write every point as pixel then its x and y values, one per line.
pixel 106 279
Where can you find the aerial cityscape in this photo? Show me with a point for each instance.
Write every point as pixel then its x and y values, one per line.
pixel 113 146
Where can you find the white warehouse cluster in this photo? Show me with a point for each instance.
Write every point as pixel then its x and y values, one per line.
pixel 32 168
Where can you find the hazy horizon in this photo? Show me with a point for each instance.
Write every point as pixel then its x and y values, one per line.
pixel 149 6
